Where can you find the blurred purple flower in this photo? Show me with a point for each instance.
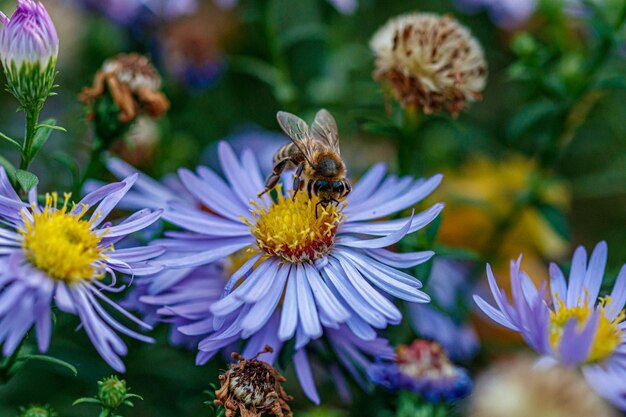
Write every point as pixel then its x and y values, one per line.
pixel 577 329
pixel 448 286
pixel 343 6
pixel 50 252
pixel 508 14
pixel 128 12
pixel 263 143
pixel 423 368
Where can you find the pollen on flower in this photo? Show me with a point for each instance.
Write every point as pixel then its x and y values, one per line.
pixel 606 338
pixel 296 229
pixel 61 243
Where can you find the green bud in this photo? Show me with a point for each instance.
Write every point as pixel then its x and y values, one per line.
pixel 34 410
pixel 112 392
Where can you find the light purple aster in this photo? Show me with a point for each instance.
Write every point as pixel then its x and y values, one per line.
pixel 329 289
pixel 337 276
pixel 508 14
pixel 449 288
pixel 51 253
pixel 574 327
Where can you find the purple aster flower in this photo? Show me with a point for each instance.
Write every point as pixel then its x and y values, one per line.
pixel 325 270
pixel 59 252
pixel 508 14
pixel 449 289
pixel 423 368
pixel 128 12
pixel 328 267
pixel 574 327
pixel 29 46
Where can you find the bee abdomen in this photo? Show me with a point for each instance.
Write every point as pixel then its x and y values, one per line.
pixel 288 150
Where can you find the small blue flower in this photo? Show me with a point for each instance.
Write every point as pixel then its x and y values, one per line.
pixel 423 368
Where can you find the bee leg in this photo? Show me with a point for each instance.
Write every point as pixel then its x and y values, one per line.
pixel 316 206
pixel 297 182
pixel 274 177
pixel 309 189
pixel 348 188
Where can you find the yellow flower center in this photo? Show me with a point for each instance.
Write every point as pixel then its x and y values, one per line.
pixel 607 336
pixel 296 229
pixel 61 244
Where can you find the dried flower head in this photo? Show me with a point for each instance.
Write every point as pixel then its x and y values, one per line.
pixel 429 61
pixel 518 388
pixel 252 387
pixel 133 83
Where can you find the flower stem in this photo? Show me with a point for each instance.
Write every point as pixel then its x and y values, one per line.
pixel 32 118
pixel 94 164
pixel 7 365
pixel 408 140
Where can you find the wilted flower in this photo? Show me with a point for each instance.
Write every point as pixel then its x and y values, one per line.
pixel 508 14
pixel 578 329
pixel 253 388
pixel 423 368
pixel 35 410
pixel 140 144
pixel 132 83
pixel 191 47
pixel 518 388
pixel 29 46
pixel 449 287
pixel 53 252
pixel 429 62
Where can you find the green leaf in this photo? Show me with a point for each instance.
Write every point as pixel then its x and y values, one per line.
pixel 11 141
pixel 610 82
pixel 42 134
pixel 27 180
pixel 86 401
pixel 555 218
pixel 50 359
pixel 529 117
pixel 9 168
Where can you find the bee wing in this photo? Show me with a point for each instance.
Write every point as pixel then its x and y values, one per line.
pixel 324 129
pixel 298 132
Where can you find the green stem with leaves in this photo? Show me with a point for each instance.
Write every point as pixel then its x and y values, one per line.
pixel 585 97
pixel 32 120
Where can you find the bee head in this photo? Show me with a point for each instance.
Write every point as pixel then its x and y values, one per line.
pixel 329 189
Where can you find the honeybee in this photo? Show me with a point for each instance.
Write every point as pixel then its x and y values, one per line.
pixel 315 155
